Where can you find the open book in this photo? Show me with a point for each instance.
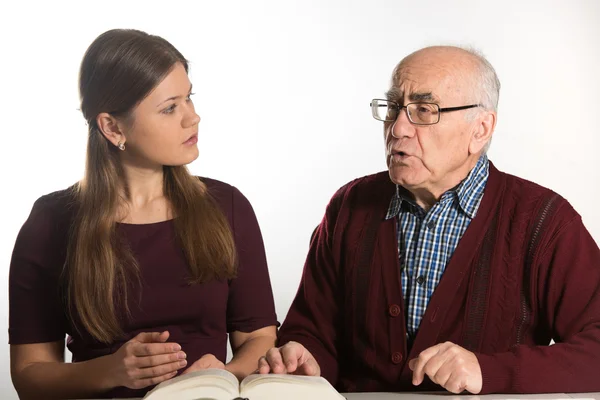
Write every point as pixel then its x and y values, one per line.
pixel 218 384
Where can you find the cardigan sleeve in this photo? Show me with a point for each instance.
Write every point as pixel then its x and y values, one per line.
pixel 566 278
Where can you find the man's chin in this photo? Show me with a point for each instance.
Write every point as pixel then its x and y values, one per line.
pixel 404 179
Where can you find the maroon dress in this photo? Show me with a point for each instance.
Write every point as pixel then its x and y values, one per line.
pixel 198 317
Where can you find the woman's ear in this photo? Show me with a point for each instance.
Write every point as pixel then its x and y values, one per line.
pixel 111 129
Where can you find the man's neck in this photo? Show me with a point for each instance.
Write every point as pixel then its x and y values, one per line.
pixel 427 197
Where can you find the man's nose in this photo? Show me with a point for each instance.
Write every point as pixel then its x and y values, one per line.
pixel 402 126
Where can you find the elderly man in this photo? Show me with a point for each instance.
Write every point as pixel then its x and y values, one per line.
pixel 443 271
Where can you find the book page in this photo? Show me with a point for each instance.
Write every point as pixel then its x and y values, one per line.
pixel 289 387
pixel 208 384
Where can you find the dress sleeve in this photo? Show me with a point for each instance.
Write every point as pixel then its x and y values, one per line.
pixel 314 318
pixel 36 313
pixel 250 304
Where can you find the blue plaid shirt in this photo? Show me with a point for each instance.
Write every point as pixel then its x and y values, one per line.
pixel 427 240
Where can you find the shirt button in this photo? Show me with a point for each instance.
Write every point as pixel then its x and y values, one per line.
pixel 394 310
pixel 397 357
pixel 431 224
pixel 420 280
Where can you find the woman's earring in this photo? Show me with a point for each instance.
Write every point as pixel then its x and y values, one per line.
pixel 121 146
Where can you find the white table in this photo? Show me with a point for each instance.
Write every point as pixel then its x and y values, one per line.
pixel 450 396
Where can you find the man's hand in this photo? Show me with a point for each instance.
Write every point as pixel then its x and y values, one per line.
pixel 450 366
pixel 292 358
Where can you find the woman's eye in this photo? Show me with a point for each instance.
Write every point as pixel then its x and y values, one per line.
pixel 169 109
pixel 189 97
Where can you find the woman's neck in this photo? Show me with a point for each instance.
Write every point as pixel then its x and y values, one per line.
pixel 143 193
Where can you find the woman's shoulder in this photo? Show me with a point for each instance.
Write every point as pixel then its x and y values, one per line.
pixel 53 211
pixel 229 198
pixel 224 193
pixel 59 198
pixel 46 229
pixel 56 204
pixel 215 185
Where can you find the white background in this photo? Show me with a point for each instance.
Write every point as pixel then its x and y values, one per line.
pixel 283 89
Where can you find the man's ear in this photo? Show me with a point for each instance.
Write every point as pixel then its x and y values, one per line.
pixel 483 132
pixel 111 129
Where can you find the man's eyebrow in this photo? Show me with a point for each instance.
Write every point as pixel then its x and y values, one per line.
pixel 393 94
pixel 422 96
pixel 173 97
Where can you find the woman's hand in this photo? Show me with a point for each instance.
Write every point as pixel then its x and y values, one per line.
pixel 205 362
pixel 145 360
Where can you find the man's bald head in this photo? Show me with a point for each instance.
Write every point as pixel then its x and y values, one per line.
pixel 466 69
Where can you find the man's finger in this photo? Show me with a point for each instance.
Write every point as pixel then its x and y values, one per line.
pixel 412 363
pixel 275 361
pixel 290 355
pixel 421 361
pixel 263 366
pixel 440 368
pixel 310 367
pixel 440 364
pixel 455 384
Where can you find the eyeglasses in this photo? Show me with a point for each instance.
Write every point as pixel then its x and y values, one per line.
pixel 418 113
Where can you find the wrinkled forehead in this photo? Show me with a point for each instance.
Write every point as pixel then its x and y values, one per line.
pixel 438 81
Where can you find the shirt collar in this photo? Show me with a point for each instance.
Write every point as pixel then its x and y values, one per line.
pixel 470 191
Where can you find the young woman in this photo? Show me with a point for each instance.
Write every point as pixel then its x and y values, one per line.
pixel 145 267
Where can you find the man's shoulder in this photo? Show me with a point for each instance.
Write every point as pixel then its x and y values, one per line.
pixel 520 192
pixel 519 187
pixel 368 191
pixel 372 184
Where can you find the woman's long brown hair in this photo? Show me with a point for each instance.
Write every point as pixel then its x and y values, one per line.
pixel 119 69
